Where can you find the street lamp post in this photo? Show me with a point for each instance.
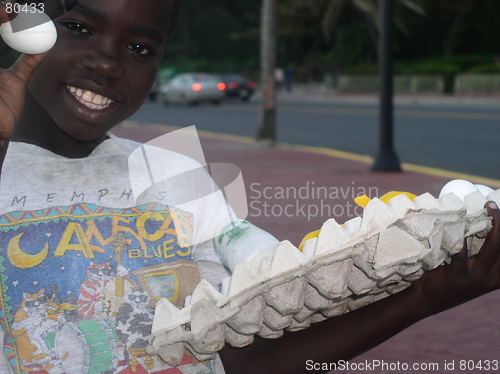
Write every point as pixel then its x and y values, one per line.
pixel 387 159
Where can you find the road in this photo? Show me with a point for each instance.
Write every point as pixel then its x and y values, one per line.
pixel 464 139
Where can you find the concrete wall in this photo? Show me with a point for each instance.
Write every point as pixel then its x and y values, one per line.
pixel 477 84
pixel 403 84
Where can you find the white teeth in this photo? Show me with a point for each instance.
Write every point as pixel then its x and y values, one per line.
pixel 90 99
pixel 98 99
pixel 87 96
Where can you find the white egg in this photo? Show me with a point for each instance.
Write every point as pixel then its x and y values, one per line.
pixel 485 190
pixel 38 39
pixel 459 187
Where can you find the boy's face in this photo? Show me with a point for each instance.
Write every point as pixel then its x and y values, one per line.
pixel 108 48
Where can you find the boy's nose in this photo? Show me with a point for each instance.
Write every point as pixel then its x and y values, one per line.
pixel 106 65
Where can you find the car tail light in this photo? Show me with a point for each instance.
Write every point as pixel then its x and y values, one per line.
pixel 233 85
pixel 221 86
pixel 197 87
pixel 251 84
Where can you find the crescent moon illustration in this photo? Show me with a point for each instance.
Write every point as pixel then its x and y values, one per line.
pixel 23 260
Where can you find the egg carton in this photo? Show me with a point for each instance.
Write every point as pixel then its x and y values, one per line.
pixel 345 268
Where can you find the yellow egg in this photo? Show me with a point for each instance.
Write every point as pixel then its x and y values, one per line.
pixel 363 200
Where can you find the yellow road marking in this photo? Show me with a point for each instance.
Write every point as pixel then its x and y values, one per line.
pixel 403 113
pixel 436 172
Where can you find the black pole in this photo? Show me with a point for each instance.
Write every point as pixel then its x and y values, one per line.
pixel 387 159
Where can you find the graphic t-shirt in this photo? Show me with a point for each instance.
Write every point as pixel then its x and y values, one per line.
pixel 82 265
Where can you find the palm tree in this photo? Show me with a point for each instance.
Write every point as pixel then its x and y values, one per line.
pixel 267 128
pixel 332 9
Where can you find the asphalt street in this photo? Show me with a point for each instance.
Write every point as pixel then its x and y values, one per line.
pixel 464 138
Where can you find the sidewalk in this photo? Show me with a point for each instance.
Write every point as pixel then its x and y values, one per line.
pixel 325 186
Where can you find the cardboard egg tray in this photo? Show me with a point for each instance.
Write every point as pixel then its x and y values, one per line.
pixel 345 268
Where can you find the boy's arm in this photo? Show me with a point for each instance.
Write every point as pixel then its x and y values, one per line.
pixel 349 335
pixel 13 85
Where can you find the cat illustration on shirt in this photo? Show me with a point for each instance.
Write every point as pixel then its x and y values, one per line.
pixel 91 298
pixel 33 322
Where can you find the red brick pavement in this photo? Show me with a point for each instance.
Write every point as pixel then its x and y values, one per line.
pixel 470 331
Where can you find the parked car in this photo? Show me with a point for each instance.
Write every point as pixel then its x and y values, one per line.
pixel 238 86
pixel 193 88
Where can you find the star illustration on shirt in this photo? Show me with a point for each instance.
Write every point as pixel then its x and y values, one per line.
pixel 35 283
pixel 15 283
pixel 62 268
pixel 48 234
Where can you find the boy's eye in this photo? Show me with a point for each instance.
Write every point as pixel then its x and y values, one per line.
pixel 77 27
pixel 139 49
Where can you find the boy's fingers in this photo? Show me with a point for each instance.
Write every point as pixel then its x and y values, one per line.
pixel 461 257
pixel 25 65
pixel 494 212
pixel 490 249
pixel 4 15
pixel 492 209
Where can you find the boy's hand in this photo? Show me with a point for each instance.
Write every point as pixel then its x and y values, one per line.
pixel 13 83
pixel 464 278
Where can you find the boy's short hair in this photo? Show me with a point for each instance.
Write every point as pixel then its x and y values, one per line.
pixel 176 9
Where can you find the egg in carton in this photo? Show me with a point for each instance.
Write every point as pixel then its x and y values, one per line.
pixel 393 271
pixel 494 196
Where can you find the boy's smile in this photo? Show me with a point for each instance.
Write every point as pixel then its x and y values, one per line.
pixel 100 70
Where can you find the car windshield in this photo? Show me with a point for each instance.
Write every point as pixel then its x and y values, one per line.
pixel 233 78
pixel 203 78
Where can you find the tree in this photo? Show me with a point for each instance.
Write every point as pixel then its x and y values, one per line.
pixel 267 128
pixel 369 11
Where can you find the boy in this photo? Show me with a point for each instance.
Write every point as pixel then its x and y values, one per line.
pixel 82 265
